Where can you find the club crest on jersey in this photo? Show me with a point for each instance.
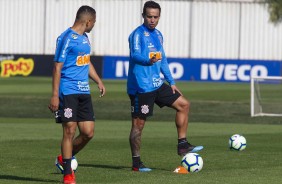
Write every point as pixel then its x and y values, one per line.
pixel 146 33
pixel 68 113
pixel 74 36
pixel 145 109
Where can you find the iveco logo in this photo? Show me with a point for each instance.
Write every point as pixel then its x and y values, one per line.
pixel 176 69
pixel 232 72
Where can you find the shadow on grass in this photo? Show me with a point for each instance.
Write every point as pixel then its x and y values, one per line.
pixel 104 166
pixel 20 178
pixel 115 167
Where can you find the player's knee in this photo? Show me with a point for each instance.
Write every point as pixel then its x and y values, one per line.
pixel 88 135
pixel 69 132
pixel 138 123
pixel 185 106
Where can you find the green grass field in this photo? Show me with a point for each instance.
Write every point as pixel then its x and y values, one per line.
pixel 30 139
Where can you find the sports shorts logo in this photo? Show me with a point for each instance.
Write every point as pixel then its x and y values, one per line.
pixel 145 109
pixel 68 113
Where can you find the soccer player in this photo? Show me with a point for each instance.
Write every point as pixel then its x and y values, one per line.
pixel 145 86
pixel 71 90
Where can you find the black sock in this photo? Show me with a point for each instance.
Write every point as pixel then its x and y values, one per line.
pixel 74 153
pixel 135 161
pixel 67 166
pixel 182 140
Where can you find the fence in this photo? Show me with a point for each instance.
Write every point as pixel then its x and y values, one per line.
pixel 191 29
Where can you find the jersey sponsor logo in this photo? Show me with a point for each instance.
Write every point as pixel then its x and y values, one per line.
pixel 145 109
pixel 83 86
pixel 22 67
pixel 158 55
pixel 68 113
pixel 157 82
pixel 83 60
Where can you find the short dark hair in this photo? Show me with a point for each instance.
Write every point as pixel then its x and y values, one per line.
pixel 85 10
pixel 151 4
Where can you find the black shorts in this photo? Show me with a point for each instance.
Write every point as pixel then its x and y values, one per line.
pixel 142 104
pixel 76 107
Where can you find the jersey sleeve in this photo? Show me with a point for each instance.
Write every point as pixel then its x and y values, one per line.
pixel 135 47
pixel 62 49
pixel 165 70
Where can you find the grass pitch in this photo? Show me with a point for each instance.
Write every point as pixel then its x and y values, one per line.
pixel 30 140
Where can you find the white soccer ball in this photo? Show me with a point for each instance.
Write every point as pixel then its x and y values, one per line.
pixel 193 162
pixel 74 164
pixel 237 142
pixel 60 169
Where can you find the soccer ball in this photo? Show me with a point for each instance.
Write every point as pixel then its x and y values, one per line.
pixel 237 142
pixel 60 169
pixel 193 162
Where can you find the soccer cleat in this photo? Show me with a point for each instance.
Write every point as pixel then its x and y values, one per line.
pixel 59 164
pixel 185 147
pixel 69 178
pixel 60 159
pixel 141 168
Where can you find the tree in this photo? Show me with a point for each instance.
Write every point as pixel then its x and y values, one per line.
pixel 275 10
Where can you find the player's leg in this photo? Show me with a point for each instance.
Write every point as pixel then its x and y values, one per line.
pixel 135 135
pixel 176 101
pixel 85 117
pixel 135 144
pixel 141 107
pixel 69 129
pixel 68 111
pixel 182 107
pixel 86 133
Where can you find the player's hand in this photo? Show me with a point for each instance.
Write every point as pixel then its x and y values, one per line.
pixel 102 89
pixel 154 59
pixel 54 104
pixel 174 88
